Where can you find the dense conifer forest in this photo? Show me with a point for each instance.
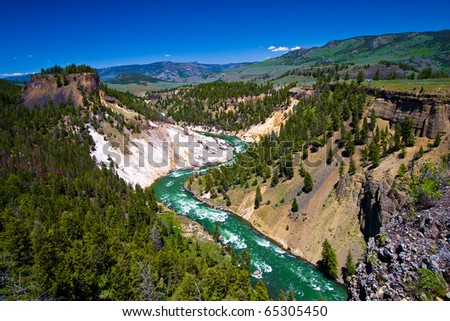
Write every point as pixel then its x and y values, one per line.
pixel 70 230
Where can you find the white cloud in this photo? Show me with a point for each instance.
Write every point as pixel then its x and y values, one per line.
pixel 15 58
pixel 282 48
pixel 278 49
pixel 30 56
pixel 166 55
pixel 15 74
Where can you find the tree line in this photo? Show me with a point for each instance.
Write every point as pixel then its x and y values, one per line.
pixel 228 106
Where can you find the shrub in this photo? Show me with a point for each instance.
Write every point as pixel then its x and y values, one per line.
pixel 294 207
pixel 429 285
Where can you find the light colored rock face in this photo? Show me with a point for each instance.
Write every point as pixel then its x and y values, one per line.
pixel 43 88
pixel 429 115
pixel 158 150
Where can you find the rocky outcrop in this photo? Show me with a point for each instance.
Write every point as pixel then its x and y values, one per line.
pixel 403 246
pixel 378 203
pixel 43 89
pixel 157 150
pixel 430 113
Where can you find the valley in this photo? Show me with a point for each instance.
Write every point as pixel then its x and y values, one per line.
pixel 319 174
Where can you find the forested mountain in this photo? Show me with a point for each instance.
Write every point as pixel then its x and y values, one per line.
pixel 167 70
pixel 419 49
pixel 340 168
pixel 226 106
pixel 71 230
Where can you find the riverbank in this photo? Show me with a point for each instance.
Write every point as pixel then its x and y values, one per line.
pixel 279 269
pixel 221 205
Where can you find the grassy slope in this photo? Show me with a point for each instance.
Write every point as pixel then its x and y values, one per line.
pixel 418 49
pixel 428 85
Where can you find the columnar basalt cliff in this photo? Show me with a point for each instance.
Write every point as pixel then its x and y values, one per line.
pixel 378 203
pixel 44 88
pixel 430 113
pixel 394 257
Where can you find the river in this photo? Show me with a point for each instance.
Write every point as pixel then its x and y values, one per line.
pixel 279 269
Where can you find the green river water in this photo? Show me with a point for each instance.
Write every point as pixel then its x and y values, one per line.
pixel 279 269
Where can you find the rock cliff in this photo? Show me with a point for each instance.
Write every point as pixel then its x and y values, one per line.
pixel 393 257
pixel 377 203
pixel 44 88
pixel 430 113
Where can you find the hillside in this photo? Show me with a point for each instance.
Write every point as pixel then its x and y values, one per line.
pixel 351 195
pixel 403 53
pixel 419 49
pixel 129 78
pixel 73 225
pixel 167 70
pixel 412 50
pixel 127 133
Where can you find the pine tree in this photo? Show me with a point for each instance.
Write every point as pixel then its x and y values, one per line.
pixel 216 234
pixel 349 266
pixel 290 296
pixel 330 156
pixel 289 166
pixel 365 131
pixel 309 184
pixel 360 77
pixel 377 75
pixel 349 144
pixel 357 132
pixel 407 132
pixel 374 153
pixel 373 119
pixel 258 197
pixel 364 156
pixel 261 293
pixel 294 207
pixel 437 140
pixel 397 138
pixel 281 295
pixel 393 75
pixel 352 166
pixel 274 178
pixel 329 260
pixel 402 170
pixel 305 152
pixel 302 171
pixel 342 169
pixel 346 77
pixel 58 81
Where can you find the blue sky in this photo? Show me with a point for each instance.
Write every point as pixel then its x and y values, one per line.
pixel 36 34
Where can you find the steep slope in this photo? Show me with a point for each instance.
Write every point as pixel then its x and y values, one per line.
pixel 345 208
pixel 45 88
pixel 141 150
pixel 71 230
pixel 405 252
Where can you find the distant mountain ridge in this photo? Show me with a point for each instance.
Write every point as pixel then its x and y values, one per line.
pixel 419 49
pixel 167 70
